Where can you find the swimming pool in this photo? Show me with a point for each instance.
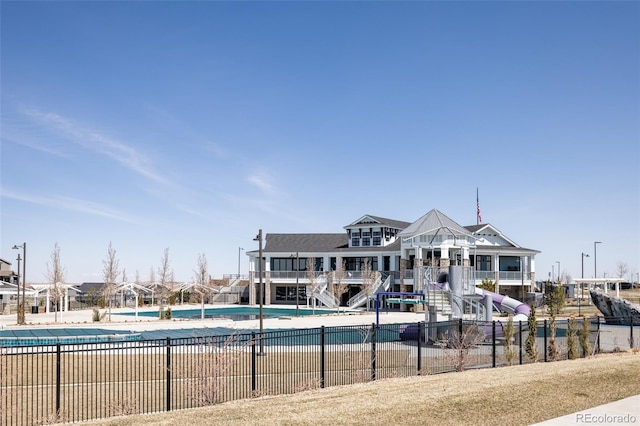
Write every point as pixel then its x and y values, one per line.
pixel 73 335
pixel 52 336
pixel 236 313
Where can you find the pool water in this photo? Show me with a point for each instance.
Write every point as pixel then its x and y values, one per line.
pixel 72 335
pixel 239 313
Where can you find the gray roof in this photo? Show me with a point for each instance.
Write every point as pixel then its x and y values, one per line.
pixel 87 287
pixel 391 223
pixel 431 222
pixel 292 243
pixel 476 228
pixel 305 242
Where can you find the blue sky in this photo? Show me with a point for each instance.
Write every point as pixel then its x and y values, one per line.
pixel 191 125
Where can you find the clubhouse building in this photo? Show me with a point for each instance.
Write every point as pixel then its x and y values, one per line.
pixel 375 254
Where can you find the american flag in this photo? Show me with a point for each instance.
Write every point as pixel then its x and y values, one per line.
pixel 478 208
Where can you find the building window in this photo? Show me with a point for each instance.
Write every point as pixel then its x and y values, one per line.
pixel 355 234
pixel 366 241
pixel 483 263
pixel 377 241
pixel 377 233
pixel 355 242
pixel 366 233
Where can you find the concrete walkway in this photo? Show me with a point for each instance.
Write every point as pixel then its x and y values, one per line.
pixel 623 412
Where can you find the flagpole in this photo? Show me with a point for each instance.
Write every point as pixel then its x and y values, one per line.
pixel 478 217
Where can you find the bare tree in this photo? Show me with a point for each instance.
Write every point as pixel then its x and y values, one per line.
pixel 622 269
pixel 55 276
pixel 313 281
pixel 202 285
pixel 368 279
pixel 456 347
pixel 165 276
pixel 152 283
pixel 110 274
pixel 338 285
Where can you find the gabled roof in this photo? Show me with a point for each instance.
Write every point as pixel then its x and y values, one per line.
pixel 311 243
pixel 383 221
pixel 488 228
pixel 434 222
pixel 305 242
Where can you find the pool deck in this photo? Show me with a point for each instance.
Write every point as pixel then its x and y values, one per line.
pixel 83 318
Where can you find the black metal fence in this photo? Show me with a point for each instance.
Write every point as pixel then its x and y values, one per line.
pixel 77 382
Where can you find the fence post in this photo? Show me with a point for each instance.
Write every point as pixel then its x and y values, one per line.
pixel 420 332
pixel 545 340
pixel 168 367
pixel 493 343
pixel 322 356
pixel 631 333
pixel 373 351
pixel 253 363
pixel 520 340
pixel 598 334
pixel 58 362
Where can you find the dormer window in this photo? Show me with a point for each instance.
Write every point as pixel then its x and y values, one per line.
pixel 355 234
pixel 355 242
pixel 366 241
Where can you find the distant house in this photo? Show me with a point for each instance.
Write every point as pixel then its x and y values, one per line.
pixel 401 256
pixel 6 273
pixel 89 293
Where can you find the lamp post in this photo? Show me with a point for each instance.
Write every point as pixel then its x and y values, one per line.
pixel 297 277
pixel 559 273
pixel 19 319
pixel 260 292
pixel 581 283
pixel 522 278
pixel 239 249
pixel 24 275
pixel 595 259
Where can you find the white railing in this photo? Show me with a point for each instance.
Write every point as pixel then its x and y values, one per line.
pixel 323 295
pixel 227 289
pixel 327 299
pixel 362 297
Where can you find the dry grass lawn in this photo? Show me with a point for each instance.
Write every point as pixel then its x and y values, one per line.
pixel 518 395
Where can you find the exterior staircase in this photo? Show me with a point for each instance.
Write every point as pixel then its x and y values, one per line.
pixel 362 297
pixel 439 301
pixel 324 296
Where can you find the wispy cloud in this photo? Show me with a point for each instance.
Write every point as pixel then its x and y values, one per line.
pixel 97 142
pixel 263 182
pixel 28 142
pixel 68 203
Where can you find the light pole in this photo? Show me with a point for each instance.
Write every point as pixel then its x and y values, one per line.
pixel 24 274
pixel 18 310
pixel 581 283
pixel 559 272
pixel 260 293
pixel 595 259
pixel 297 276
pixel 522 278
pixel 239 249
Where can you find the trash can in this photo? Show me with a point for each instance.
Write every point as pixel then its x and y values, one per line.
pixel 34 309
